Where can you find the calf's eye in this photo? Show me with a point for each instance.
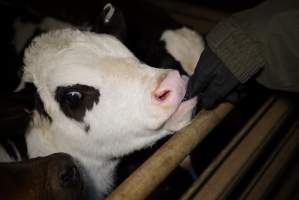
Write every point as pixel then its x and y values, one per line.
pixel 73 98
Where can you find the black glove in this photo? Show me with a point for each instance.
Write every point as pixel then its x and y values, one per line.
pixel 212 82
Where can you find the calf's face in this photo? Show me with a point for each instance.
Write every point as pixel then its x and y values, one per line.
pixel 55 177
pixel 92 85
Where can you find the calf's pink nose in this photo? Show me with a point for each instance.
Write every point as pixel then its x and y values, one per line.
pixel 171 90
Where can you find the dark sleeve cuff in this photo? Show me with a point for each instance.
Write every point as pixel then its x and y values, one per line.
pixel 240 53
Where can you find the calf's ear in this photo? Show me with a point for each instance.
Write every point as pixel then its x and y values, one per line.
pixel 15 111
pixel 112 21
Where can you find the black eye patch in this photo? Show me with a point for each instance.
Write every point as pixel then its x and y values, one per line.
pixel 74 100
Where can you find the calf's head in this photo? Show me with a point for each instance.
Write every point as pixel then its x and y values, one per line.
pixel 98 97
pixel 55 177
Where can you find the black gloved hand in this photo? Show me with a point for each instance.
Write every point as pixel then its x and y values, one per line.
pixel 212 82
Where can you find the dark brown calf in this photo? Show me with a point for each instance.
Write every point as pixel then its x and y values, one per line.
pixel 54 177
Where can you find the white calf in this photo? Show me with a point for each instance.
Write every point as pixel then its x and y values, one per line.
pixel 98 102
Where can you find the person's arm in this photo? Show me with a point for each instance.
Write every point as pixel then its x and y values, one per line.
pixel 263 39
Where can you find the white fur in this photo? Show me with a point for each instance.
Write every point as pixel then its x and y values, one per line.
pixel 185 45
pixel 125 119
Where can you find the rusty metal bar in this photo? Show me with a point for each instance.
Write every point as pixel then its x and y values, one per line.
pixel 228 149
pixel 152 172
pixel 237 163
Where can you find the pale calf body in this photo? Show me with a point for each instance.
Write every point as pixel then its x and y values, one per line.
pixel 122 117
pixel 99 102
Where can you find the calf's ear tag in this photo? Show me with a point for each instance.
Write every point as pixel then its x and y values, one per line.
pixel 109 12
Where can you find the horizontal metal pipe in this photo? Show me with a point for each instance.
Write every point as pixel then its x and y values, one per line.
pixel 153 171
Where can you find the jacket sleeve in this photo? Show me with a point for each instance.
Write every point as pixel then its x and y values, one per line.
pixel 263 39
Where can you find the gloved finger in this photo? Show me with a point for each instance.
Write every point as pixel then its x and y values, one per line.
pixel 237 94
pixel 204 73
pixel 208 102
pixel 198 82
pixel 217 90
pixel 233 98
pixel 211 96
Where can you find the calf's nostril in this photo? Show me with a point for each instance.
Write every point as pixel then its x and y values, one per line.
pixel 69 176
pixel 162 95
pixel 170 89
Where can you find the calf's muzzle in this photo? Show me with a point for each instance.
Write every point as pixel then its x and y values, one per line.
pixel 170 90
